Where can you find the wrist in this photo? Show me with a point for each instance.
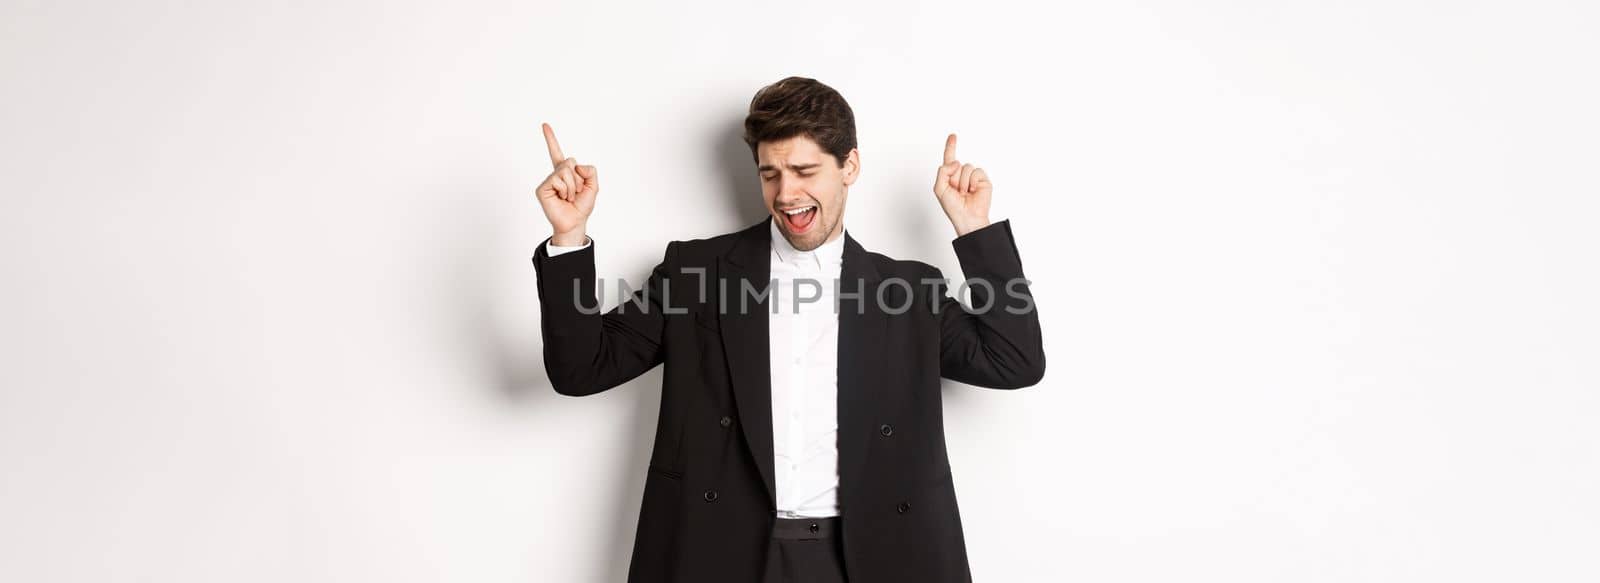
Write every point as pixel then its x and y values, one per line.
pixel 572 238
pixel 971 225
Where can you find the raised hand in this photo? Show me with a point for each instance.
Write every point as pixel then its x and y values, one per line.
pixel 963 190
pixel 567 194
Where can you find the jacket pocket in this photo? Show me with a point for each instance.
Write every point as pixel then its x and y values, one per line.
pixel 665 473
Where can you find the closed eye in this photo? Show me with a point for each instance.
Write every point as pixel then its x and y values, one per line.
pixel 770 177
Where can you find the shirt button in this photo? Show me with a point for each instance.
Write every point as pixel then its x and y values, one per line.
pixel 797 360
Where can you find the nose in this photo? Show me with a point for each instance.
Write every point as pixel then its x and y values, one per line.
pixel 789 191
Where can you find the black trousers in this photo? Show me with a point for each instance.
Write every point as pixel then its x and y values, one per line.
pixel 805 550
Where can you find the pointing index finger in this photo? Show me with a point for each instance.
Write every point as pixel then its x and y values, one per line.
pixel 550 142
pixel 950 149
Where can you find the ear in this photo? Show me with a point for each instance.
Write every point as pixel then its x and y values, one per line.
pixel 852 166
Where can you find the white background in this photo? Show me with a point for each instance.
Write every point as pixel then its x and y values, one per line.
pixel 1317 279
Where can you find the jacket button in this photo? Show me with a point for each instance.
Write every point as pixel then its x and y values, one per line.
pixel 814 527
pixel 886 429
pixel 711 495
pixel 726 421
pixel 903 507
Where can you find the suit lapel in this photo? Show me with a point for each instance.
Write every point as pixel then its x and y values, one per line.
pixel 745 327
pixel 861 340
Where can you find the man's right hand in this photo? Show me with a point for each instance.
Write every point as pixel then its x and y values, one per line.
pixel 567 194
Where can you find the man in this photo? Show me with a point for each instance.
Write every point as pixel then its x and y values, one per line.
pixel 801 434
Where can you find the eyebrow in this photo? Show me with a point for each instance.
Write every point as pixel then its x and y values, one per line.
pixel 766 167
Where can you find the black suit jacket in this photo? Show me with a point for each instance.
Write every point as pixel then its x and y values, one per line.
pixel 709 498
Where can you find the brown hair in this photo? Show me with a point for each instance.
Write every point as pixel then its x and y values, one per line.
pixel 796 106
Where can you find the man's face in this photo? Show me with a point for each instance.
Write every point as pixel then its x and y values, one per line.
pixel 796 174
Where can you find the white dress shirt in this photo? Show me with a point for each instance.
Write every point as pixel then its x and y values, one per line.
pixel 803 350
pixel 803 344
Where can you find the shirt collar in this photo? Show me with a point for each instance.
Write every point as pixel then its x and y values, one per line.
pixel 827 254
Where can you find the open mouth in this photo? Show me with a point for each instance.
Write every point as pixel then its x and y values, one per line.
pixel 799 218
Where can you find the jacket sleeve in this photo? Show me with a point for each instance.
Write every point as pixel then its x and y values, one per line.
pixel 586 351
pixel 996 343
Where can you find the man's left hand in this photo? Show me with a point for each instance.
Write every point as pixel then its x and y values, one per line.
pixel 963 190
